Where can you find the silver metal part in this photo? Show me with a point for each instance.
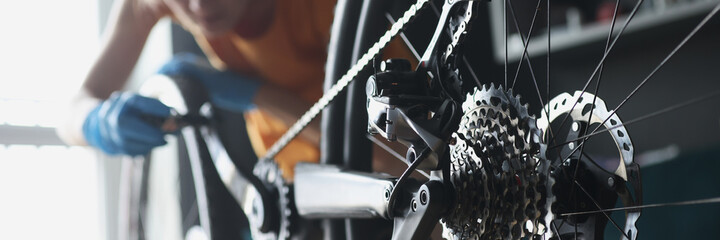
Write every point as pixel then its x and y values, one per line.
pixel 459 34
pixel 544 225
pixel 342 195
pixel 493 169
pixel 400 127
pixel 344 81
pixel 397 125
pixel 440 29
pixel 565 103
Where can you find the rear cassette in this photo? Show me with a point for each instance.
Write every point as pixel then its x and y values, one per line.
pixel 493 169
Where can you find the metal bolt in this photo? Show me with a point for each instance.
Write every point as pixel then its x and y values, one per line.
pixel 371 130
pixel 271 176
pixel 611 182
pixel 414 205
pixel 423 197
pixel 387 194
pixel 395 64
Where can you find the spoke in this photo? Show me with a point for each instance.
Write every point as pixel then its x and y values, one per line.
pixel 404 38
pixel 602 66
pixel 654 114
pixel 547 80
pixel 547 59
pixel 656 205
pixel 571 153
pixel 386 148
pixel 702 23
pixel 505 36
pixel 602 61
pixel 576 231
pixel 467 65
pixel 588 157
pixel 582 144
pixel 525 53
pixel 394 153
pixel 597 92
pixel 525 40
pixel 557 233
pixel 599 208
pixel 607 42
pixel 672 53
pixel 434 8
pixel 682 43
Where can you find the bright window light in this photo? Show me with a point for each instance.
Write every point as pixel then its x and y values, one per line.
pixel 46 192
pixel 46 49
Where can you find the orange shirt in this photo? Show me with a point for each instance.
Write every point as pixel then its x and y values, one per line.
pixel 290 54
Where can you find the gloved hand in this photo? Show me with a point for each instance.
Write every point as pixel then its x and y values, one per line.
pixel 116 126
pixel 227 90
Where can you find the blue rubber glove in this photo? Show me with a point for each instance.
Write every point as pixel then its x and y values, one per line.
pixel 227 90
pixel 116 126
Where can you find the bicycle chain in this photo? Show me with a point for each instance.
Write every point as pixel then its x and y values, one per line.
pixel 460 33
pixel 344 81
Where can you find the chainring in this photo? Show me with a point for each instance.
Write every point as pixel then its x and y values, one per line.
pixel 286 224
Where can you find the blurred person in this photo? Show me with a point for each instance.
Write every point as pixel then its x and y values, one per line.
pixel 267 60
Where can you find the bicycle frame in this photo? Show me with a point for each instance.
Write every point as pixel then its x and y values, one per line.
pixel 339 188
pixel 339 191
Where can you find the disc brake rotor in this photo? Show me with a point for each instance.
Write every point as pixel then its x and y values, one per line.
pixel 577 182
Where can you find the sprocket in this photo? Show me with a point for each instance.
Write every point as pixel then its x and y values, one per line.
pixel 287 218
pixel 494 169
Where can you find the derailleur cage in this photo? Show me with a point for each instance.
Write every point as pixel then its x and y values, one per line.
pixel 401 107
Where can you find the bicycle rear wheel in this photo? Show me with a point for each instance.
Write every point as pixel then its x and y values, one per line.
pixel 616 66
pixel 631 78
